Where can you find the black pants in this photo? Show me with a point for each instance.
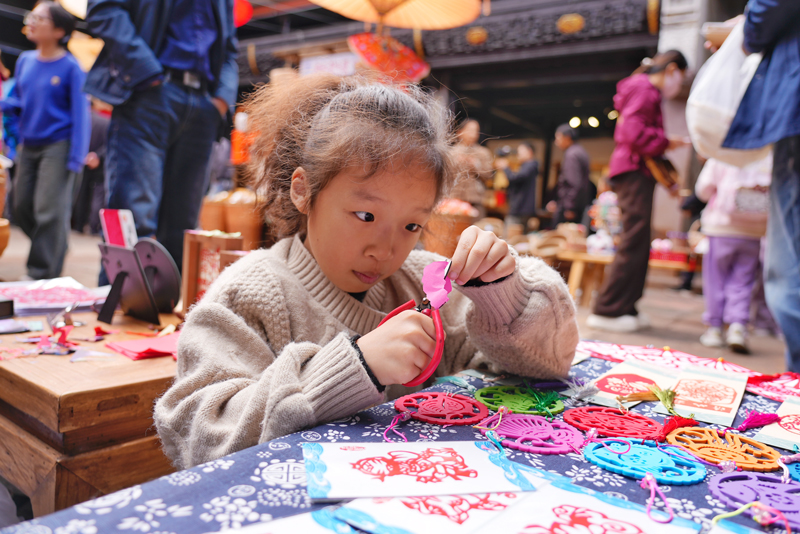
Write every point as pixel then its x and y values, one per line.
pixel 624 283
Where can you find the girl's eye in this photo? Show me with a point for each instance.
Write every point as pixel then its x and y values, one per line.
pixel 365 216
pixel 413 227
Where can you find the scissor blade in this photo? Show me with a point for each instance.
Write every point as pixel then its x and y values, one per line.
pixel 447 269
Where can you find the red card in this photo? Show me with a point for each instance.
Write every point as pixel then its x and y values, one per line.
pixel 140 349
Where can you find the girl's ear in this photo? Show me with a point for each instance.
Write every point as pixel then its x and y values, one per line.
pixel 300 191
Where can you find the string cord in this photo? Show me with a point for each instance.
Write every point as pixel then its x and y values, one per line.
pixel 499 415
pixel 405 416
pixel 782 461
pixel 724 465
pixel 591 437
pixel 649 482
pixel 764 515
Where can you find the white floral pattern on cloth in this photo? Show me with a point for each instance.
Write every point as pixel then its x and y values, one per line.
pixel 595 475
pixel 335 435
pixel 151 513
pixel 232 512
pixel 688 509
pixel 288 475
pixel 213 465
pixel 28 528
pixel 108 503
pixel 296 498
pixel 346 421
pixel 78 526
pixel 182 478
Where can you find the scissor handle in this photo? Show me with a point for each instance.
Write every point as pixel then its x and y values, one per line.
pixel 437 355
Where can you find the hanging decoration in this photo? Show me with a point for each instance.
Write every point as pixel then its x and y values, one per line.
pixel 242 12
pixel 738 489
pixel 521 400
pixel 714 446
pixel 388 56
pixel 612 422
pixel 533 433
pixel 442 408
pixel 643 458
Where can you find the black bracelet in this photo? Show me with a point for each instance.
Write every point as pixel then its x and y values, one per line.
pixel 370 374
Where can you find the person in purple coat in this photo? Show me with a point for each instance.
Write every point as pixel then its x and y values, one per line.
pixel 639 135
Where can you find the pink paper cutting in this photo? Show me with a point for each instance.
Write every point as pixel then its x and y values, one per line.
pixel 436 286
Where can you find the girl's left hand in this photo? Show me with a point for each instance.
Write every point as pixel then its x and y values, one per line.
pixel 481 254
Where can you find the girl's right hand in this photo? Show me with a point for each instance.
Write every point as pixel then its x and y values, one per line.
pixel 401 348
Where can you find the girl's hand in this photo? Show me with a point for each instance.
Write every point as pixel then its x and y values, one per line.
pixel 481 254
pixel 401 348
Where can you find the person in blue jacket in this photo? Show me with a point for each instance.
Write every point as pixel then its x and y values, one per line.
pixel 169 69
pixel 770 113
pixel 54 137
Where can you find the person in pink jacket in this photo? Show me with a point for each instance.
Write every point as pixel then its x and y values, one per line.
pixel 639 135
pixel 735 220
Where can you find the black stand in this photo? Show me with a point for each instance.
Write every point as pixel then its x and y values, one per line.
pixel 106 314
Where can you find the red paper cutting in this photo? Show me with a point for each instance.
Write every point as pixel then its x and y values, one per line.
pixel 442 408
pixel 624 384
pixel 776 387
pixel 575 519
pixel 613 423
pixel 456 508
pixel 431 465
pixel 140 349
pixel 790 423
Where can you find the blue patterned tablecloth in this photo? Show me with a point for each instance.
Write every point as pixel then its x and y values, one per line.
pixel 268 481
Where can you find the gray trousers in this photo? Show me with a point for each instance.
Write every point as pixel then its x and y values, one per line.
pixel 42 205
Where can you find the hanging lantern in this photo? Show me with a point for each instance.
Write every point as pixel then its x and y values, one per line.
pixel 477 35
pixel 570 23
pixel 242 12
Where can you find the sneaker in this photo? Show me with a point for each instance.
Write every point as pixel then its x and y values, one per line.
pixel 712 337
pixel 624 323
pixel 736 338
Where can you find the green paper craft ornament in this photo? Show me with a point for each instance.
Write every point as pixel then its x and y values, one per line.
pixel 521 400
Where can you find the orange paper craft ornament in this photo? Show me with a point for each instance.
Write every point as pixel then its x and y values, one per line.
pixel 709 445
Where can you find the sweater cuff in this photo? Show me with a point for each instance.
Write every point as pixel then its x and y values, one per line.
pixel 336 384
pixel 498 304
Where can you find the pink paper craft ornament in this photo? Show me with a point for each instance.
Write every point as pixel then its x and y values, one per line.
pixel 435 284
pixel 534 433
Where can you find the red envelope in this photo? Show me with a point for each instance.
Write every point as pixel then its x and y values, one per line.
pixel 140 349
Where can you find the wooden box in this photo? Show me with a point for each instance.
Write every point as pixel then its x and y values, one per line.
pixel 201 261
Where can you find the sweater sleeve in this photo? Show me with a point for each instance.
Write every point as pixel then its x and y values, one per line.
pixel 634 131
pixel 234 391
pixel 81 121
pixel 524 324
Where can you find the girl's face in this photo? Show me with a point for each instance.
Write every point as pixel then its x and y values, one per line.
pixel 39 26
pixel 360 231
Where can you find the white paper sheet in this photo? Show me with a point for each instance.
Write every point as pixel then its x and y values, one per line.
pixel 786 433
pixel 339 471
pixel 566 508
pixel 708 395
pixel 442 514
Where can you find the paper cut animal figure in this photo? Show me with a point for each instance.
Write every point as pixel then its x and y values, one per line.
pixel 456 508
pixel 431 465
pixel 576 520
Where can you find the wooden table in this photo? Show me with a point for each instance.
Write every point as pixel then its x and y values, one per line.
pixel 588 270
pixel 74 431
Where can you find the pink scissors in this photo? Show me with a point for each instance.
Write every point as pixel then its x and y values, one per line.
pixel 425 308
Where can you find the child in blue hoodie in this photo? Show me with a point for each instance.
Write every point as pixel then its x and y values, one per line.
pixel 54 136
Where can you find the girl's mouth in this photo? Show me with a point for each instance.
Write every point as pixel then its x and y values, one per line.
pixel 367 278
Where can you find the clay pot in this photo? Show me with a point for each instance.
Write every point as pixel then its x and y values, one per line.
pixel 241 216
pixel 442 232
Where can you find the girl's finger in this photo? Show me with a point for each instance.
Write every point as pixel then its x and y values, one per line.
pixel 504 267
pixel 498 251
pixel 476 256
pixel 465 243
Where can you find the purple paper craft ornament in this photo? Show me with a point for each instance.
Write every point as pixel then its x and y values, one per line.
pixel 744 487
pixel 436 286
pixel 534 433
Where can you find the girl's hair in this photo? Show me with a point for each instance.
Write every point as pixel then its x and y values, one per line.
pixel 660 62
pixel 62 19
pixel 325 123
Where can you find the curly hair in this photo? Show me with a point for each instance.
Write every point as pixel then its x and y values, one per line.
pixel 325 123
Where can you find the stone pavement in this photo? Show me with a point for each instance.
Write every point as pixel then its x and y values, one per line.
pixel 675 317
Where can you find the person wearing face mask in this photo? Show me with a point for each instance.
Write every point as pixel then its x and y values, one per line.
pixel 639 135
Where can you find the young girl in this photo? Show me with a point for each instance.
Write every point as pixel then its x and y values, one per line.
pixel 54 136
pixel 287 338
pixel 735 220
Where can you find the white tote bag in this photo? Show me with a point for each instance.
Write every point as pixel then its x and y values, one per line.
pixel 716 93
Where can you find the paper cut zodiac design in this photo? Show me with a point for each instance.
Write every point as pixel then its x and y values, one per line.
pixel 624 384
pixel 431 465
pixel 576 520
pixel 790 423
pixel 456 508
pixel 703 392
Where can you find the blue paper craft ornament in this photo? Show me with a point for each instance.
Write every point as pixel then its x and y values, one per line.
pixel 794 470
pixel 645 458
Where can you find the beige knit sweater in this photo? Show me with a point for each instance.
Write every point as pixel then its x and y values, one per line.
pixel 267 351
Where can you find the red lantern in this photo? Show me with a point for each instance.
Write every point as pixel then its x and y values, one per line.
pixel 242 12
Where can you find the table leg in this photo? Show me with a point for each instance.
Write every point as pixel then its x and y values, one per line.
pixel 575 277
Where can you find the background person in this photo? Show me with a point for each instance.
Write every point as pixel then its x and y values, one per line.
pixel 475 164
pixel 54 136
pixel 639 134
pixel 169 69
pixel 521 189
pixel 572 189
pixel 770 113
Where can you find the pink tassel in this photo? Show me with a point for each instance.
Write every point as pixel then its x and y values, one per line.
pixel 756 419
